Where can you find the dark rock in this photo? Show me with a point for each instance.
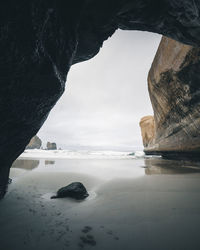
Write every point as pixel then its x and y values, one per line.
pixel 74 190
pixel 51 146
pixel 40 40
pixel 35 143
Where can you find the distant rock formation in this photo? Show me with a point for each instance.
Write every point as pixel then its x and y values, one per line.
pixel 147 125
pixel 35 143
pixel 51 146
pixel 174 88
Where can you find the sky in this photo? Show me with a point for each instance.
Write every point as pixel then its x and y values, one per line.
pixel 105 97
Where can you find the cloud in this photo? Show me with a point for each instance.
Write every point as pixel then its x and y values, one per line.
pixel 106 96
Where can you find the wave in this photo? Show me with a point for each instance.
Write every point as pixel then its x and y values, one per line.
pixel 82 154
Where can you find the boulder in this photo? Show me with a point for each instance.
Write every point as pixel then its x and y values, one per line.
pixel 75 190
pixel 51 146
pixel 35 143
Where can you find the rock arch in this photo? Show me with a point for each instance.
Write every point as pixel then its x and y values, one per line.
pixel 41 39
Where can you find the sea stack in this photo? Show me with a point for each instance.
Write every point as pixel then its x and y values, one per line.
pixel 35 143
pixel 51 146
pixel 174 90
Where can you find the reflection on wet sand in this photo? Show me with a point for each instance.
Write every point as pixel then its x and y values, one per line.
pixel 26 164
pixel 125 209
pixel 162 166
pixel 47 162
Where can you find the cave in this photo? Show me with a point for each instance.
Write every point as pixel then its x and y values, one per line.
pixel 40 40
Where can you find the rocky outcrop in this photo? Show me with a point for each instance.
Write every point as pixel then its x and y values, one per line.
pixel 174 88
pixel 35 143
pixel 40 40
pixel 147 126
pixel 51 146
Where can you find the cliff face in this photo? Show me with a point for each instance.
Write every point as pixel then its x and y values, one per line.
pixel 41 39
pixel 174 88
pixel 35 143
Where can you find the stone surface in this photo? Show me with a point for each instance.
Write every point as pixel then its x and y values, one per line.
pixel 75 190
pixel 174 88
pixel 51 146
pixel 38 40
pixel 35 143
pixel 41 39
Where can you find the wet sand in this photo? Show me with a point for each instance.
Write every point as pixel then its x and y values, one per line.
pixel 133 204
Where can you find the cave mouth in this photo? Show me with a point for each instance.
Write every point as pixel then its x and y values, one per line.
pixel 105 97
pixel 40 40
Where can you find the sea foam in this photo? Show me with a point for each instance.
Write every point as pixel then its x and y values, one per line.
pixel 82 154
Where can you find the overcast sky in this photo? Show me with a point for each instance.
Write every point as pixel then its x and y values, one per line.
pixel 105 97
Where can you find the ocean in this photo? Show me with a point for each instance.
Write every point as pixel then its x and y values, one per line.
pixel 81 154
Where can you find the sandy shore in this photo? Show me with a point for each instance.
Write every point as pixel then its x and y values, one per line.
pixel 141 210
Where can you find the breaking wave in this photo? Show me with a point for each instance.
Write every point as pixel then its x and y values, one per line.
pixel 83 154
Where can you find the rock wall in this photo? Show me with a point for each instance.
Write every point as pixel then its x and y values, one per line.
pixel 174 88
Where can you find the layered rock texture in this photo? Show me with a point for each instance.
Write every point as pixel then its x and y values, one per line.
pixel 35 143
pixel 41 39
pixel 174 88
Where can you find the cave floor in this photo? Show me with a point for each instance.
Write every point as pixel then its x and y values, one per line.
pixel 133 204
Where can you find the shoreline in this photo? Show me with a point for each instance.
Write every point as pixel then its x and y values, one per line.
pixel 83 154
pixel 132 204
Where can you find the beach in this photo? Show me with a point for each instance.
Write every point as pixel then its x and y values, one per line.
pixel 134 203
